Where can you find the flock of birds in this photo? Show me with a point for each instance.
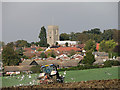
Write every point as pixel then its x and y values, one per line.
pixel 24 80
pixel 31 81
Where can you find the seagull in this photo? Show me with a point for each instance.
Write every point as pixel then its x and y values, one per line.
pixel 65 73
pixel 30 83
pixel 29 76
pixel 109 74
pixel 71 78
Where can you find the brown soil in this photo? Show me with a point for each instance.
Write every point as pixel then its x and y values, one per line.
pixel 104 84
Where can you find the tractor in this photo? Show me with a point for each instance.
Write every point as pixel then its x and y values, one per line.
pixel 49 75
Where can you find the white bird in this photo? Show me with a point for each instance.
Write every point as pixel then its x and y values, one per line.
pixel 29 76
pixel 65 73
pixel 71 78
pixel 30 83
pixel 109 74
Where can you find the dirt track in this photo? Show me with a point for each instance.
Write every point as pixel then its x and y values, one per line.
pixel 88 84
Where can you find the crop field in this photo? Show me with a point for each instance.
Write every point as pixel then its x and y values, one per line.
pixel 71 76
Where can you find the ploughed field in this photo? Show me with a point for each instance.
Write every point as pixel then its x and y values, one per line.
pixel 114 84
pixel 74 76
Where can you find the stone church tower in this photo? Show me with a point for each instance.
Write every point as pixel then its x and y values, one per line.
pixel 52 35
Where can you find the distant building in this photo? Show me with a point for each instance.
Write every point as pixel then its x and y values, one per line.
pixel 52 35
pixel 70 43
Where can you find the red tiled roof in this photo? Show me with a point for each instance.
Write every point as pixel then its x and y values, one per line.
pixel 67 49
pixel 97 46
pixel 51 58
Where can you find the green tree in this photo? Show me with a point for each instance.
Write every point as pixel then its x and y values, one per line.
pixel 117 49
pixel 64 36
pixel 9 56
pixel 89 58
pixel 42 36
pixel 72 36
pixel 110 63
pixel 22 43
pixel 93 31
pixel 90 45
pixel 82 37
pixel 66 44
pixel 53 55
pixel 40 49
pixel 107 46
pixel 2 43
pixel 56 43
pixel 43 55
pixel 107 34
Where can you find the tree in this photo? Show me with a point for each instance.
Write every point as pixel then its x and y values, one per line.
pixel 72 36
pixel 56 43
pixel 110 63
pixel 82 37
pixel 93 31
pixel 53 54
pixel 9 56
pixel 11 44
pixel 107 46
pixel 107 34
pixel 2 43
pixel 43 55
pixel 117 49
pixel 89 58
pixel 66 44
pixel 90 45
pixel 64 36
pixel 42 36
pixel 22 43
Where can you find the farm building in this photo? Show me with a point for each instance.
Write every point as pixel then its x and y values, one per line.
pixel 16 69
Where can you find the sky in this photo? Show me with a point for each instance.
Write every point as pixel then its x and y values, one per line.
pixel 23 20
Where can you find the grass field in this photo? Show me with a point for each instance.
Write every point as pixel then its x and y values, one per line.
pixel 71 76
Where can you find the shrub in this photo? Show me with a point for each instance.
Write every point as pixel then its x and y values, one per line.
pixel 110 63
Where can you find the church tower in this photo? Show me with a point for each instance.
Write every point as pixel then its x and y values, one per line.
pixel 52 35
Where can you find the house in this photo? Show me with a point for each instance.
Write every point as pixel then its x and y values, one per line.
pixel 77 57
pixel 62 57
pixel 100 57
pixel 33 51
pixel 81 46
pixel 16 69
pixel 66 50
pixel 51 58
pixel 70 43
pixel 59 63
pixel 28 62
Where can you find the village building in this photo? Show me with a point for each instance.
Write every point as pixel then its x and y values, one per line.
pixel 100 57
pixel 9 70
pixel 66 50
pixel 70 43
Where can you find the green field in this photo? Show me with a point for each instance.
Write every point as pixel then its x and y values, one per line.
pixel 71 76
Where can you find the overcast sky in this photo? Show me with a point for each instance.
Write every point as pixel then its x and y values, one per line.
pixel 23 20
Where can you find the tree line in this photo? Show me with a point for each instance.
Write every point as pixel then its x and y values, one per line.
pixel 93 34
